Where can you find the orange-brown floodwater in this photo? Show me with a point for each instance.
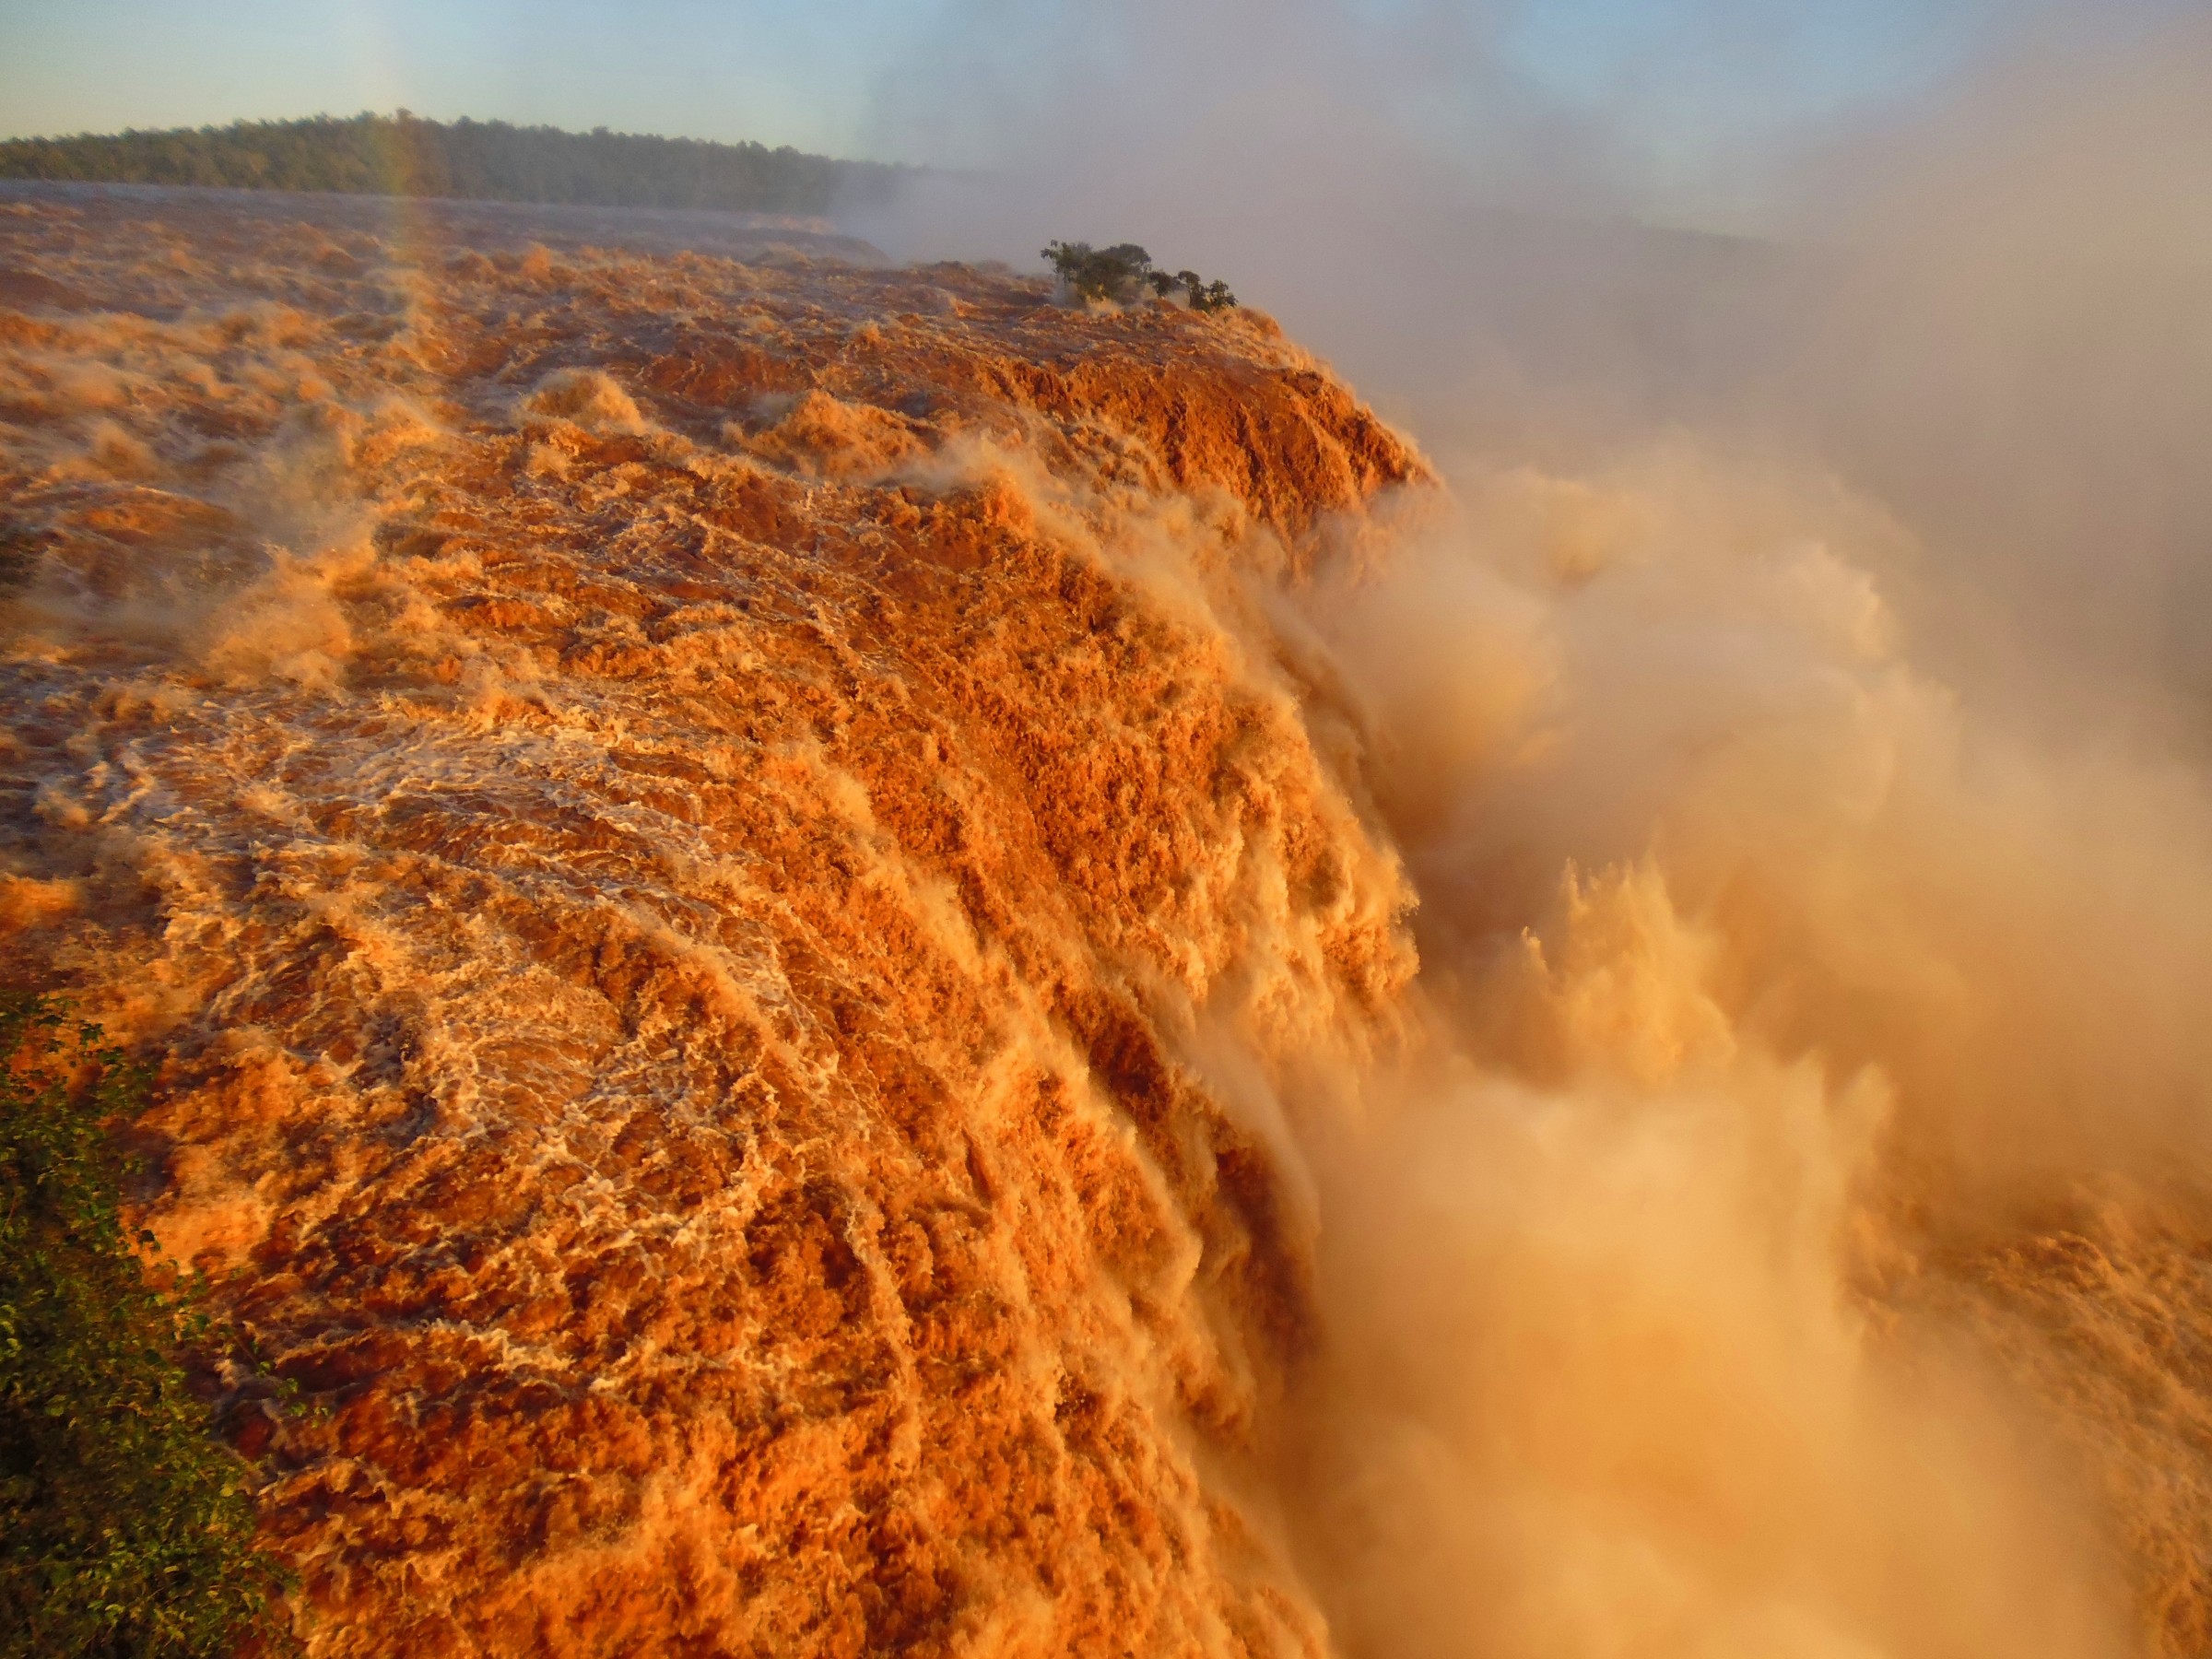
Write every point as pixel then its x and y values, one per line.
pixel 850 963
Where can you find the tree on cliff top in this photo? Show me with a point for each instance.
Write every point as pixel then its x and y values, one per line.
pixel 1100 273
pixel 126 1528
pixel 1120 271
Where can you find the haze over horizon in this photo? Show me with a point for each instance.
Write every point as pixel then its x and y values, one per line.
pixel 1689 106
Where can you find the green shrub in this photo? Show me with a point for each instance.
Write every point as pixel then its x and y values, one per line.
pixel 126 1527
pixel 1209 296
pixel 1100 273
pixel 1119 273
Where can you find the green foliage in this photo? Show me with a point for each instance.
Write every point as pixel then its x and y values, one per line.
pixel 126 1528
pixel 1120 271
pixel 1206 296
pixel 1100 273
pixel 482 160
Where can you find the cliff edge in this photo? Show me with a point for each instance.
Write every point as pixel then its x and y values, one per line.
pixel 686 828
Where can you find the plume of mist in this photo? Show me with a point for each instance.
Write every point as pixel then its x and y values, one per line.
pixel 1793 739
pixel 1762 965
pixel 2017 353
pixel 1985 303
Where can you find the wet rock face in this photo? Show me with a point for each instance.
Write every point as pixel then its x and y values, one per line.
pixel 682 826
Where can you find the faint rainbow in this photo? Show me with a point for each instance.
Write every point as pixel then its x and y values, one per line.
pixel 373 39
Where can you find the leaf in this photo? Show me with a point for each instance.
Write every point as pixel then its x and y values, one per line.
pixel 126 1527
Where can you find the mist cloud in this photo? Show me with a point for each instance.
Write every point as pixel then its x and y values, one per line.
pixel 1982 300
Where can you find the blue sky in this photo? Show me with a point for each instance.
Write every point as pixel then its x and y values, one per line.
pixel 806 73
pixel 1701 93
pixel 796 73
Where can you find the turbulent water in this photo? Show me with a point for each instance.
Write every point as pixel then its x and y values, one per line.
pixel 850 963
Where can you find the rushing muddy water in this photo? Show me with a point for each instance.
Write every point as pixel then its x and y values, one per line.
pixel 857 964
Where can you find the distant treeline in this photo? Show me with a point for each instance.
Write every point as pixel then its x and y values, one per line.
pixel 403 155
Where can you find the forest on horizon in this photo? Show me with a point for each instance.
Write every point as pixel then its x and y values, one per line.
pixel 485 160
